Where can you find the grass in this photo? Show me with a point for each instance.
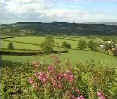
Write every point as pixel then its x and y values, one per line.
pixel 16 79
pixel 76 56
pixel 38 40
pixel 89 56
pixel 19 45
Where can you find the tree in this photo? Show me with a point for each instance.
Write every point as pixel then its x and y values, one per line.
pixel 48 45
pixel 92 45
pixel 109 45
pixel 10 46
pixel 66 45
pixel 82 44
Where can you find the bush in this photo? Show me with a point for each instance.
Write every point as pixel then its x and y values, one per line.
pixel 82 44
pixel 48 45
pixel 66 45
pixel 10 46
pixel 109 45
pixel 92 45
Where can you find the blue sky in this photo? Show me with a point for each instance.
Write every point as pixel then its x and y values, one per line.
pixel 58 10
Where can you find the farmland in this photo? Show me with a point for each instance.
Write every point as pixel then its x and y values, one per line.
pixel 24 51
pixel 74 54
pixel 58 49
pixel 26 58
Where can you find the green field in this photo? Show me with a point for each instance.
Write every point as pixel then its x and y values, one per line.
pixel 38 40
pixel 85 65
pixel 75 55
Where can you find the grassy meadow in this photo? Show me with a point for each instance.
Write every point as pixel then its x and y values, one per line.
pixel 74 54
pixel 73 74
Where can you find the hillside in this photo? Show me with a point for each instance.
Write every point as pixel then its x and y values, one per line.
pixel 106 23
pixel 35 28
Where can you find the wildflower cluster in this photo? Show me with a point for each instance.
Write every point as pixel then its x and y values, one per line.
pixel 51 81
pixel 59 80
pixel 100 95
pixel 54 80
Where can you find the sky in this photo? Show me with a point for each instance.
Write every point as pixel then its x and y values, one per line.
pixel 12 11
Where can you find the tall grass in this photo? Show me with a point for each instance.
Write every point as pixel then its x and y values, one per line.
pixel 57 80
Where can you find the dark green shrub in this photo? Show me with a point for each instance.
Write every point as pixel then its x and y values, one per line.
pixel 48 45
pixel 10 46
pixel 92 45
pixel 82 44
pixel 66 45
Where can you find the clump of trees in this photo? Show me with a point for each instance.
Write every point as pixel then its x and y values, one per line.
pixel 109 45
pixel 10 46
pixel 82 44
pixel 66 45
pixel 48 45
pixel 92 45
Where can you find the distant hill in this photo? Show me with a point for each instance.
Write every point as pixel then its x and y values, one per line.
pixel 110 23
pixel 106 23
pixel 35 28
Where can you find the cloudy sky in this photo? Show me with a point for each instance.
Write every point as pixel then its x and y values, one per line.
pixel 58 10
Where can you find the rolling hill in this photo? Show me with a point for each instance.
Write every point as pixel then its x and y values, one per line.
pixel 36 28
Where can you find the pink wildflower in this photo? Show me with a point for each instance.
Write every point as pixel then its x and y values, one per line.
pixel 43 77
pixel 54 83
pixel 36 74
pixel 78 91
pixel 60 76
pixel 100 95
pixel 59 85
pixel 72 97
pixel 51 68
pixel 80 97
pixel 31 81
pixel 69 76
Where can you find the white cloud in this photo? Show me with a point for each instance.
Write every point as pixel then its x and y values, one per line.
pixel 77 16
pixel 45 11
pixel 23 6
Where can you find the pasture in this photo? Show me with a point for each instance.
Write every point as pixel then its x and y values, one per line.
pixel 74 54
pixel 84 66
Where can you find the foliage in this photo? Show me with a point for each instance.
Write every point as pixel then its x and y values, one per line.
pixel 10 46
pixel 33 43
pixel 48 45
pixel 92 45
pixel 37 28
pixel 82 44
pixel 57 80
pixel 66 45
pixel 109 45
